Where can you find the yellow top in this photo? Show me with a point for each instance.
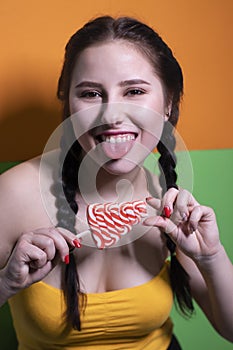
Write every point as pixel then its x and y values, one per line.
pixel 131 318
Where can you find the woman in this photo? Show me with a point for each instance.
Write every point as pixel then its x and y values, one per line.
pixel 122 86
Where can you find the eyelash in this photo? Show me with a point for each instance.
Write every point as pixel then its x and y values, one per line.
pixel 134 92
pixel 96 94
pixel 90 94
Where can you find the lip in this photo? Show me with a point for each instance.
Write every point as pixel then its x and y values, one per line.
pixel 116 132
pixel 108 133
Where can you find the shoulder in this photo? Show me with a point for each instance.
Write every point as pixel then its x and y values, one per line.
pixel 17 183
pixel 27 176
pixel 21 202
pixel 15 186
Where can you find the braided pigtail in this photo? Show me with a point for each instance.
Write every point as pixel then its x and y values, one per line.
pixel 168 70
pixel 178 276
pixel 67 186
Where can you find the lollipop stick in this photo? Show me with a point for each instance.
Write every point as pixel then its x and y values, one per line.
pixel 84 233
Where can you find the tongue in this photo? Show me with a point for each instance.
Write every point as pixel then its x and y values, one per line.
pixel 117 150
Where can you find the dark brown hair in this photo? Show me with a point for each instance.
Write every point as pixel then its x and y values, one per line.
pixel 167 68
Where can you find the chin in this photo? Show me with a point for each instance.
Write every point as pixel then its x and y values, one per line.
pixel 120 166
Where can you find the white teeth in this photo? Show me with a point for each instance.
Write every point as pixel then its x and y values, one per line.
pixel 118 138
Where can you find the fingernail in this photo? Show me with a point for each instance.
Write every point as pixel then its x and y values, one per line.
pixel 184 217
pixel 67 259
pixel 167 212
pixel 149 198
pixel 77 243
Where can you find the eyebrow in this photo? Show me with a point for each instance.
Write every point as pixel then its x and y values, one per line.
pixel 133 82
pixel 122 83
pixel 88 84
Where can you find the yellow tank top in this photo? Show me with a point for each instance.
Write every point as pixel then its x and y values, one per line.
pixel 131 318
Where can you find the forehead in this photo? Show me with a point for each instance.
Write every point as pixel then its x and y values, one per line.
pixel 118 55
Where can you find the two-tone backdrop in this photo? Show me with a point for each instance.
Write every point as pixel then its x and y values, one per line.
pixel 33 36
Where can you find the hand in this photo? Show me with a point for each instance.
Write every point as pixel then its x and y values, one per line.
pixel 191 226
pixel 34 256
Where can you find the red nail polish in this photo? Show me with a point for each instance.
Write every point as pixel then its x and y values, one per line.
pixel 149 198
pixel 77 243
pixel 67 259
pixel 167 212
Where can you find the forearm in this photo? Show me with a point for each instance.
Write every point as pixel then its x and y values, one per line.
pixel 217 271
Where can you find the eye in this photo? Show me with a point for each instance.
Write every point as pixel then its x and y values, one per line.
pixel 135 92
pixel 90 94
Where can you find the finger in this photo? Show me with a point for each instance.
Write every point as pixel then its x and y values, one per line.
pixel 199 213
pixel 164 224
pixel 154 221
pixel 68 235
pixel 38 274
pixel 60 243
pixel 168 201
pixel 27 253
pixel 184 203
pixel 154 203
pixel 46 244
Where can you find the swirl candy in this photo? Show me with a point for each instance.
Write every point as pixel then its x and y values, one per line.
pixel 109 221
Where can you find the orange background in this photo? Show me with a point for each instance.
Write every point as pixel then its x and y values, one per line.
pixel 33 36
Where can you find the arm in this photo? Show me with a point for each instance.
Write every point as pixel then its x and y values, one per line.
pixel 26 258
pixel 211 283
pixel 194 230
pixel 33 257
pixel 27 264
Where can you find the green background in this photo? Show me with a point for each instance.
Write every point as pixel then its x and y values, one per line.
pixel 212 186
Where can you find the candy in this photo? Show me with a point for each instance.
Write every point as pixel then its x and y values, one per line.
pixel 109 221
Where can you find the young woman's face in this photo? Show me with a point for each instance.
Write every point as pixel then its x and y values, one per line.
pixel 119 105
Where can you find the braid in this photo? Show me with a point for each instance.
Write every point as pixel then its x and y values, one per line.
pixel 169 71
pixel 167 160
pixel 66 189
pixel 178 276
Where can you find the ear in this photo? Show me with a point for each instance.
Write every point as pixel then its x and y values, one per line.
pixel 167 112
pixel 166 116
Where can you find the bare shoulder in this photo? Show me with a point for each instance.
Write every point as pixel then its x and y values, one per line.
pixel 23 181
pixel 21 202
pixel 16 184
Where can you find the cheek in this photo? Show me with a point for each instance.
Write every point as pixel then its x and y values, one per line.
pixel 81 130
pixel 157 105
pixel 150 141
pixel 151 130
pixel 72 101
pixel 76 105
pixel 150 122
pixel 83 121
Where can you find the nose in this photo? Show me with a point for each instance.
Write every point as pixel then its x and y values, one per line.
pixel 112 114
